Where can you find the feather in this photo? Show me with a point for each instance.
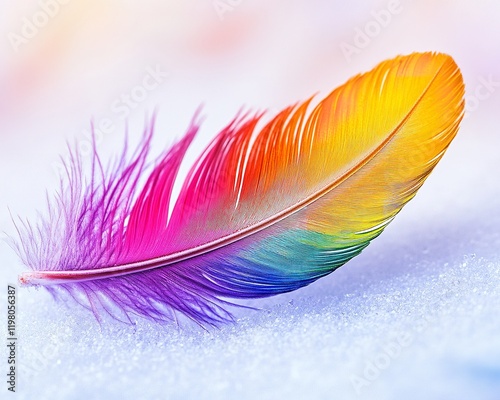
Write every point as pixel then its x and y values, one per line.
pixel 261 212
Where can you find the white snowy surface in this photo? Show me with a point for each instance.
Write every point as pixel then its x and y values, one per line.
pixel 416 316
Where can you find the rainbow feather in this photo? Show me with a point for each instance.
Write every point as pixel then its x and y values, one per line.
pixel 251 220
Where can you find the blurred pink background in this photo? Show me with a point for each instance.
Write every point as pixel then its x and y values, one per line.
pixel 85 56
pixel 65 63
pixel 259 55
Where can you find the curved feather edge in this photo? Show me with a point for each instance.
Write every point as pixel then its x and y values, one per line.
pixel 251 220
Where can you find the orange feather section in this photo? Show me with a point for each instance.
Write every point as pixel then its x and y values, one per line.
pixel 362 152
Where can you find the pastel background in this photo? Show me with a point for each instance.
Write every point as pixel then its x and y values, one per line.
pixel 417 315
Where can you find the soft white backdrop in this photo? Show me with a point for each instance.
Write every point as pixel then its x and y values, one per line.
pixel 415 316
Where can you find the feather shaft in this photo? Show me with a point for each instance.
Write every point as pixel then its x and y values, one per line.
pixel 310 193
